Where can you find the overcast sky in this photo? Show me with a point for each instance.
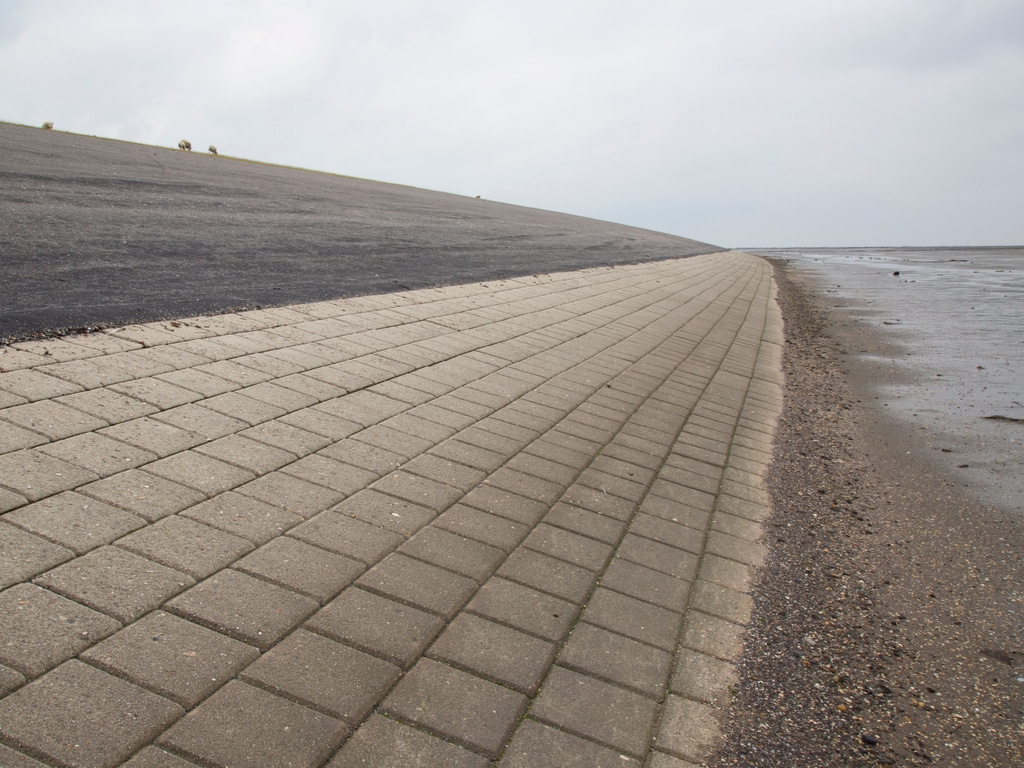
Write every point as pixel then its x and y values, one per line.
pixel 737 122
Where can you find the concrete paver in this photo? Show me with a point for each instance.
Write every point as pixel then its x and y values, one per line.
pixel 512 523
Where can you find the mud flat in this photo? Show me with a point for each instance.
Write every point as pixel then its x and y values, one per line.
pixel 888 621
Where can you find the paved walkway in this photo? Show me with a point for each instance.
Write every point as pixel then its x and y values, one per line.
pixel 507 523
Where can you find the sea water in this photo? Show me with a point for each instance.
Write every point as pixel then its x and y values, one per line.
pixel 951 361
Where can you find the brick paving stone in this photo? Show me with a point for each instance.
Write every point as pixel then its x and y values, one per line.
pixel 252 455
pixel 158 393
pixel 599 502
pixel 186 545
pixel 200 420
pixel 625 469
pixel 74 521
pixel 689 730
pixel 287 437
pixel 388 512
pixel 364 455
pixel 291 494
pixel 78 715
pixel 39 629
pixel 172 657
pixel 10 680
pixel 246 727
pixel 618 659
pixel 310 387
pixel 499 428
pixel 506 504
pixel 419 490
pixel 633 618
pixel 525 485
pixel 204 473
pixel 56 350
pixel 15 438
pixel 10 500
pixel 206 384
pixel 321 423
pixel 386 628
pixel 482 526
pixel 548 574
pixel 704 678
pixel 364 407
pixel 465 556
pixel 98 453
pixel 713 636
pixel 554 472
pixel 35 385
pixel 418 584
pixel 330 473
pixel 35 475
pixel 310 570
pixel 450 473
pixel 748 510
pixel 465 709
pixel 751 553
pixel 722 602
pixel 660 557
pixel 152 435
pixel 536 745
pixel 614 485
pixel 243 516
pixel 11 759
pixel 596 526
pixel 667 489
pixel 115 582
pixel 596 710
pixel 237 405
pixel 347 536
pixel 384 743
pixel 89 374
pixel 148 496
pixel 326 675
pixel 154 757
pixel 396 390
pixel 113 407
pixel 565 545
pixel 279 397
pixel 407 423
pixel 442 416
pixel 640 457
pixel 740 527
pixel 550 450
pixel 667 532
pixel 23 555
pixel 241 606
pixel 728 573
pixel 646 584
pixel 469 454
pixel 496 652
pixel 524 608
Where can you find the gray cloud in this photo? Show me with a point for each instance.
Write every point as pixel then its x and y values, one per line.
pixel 739 122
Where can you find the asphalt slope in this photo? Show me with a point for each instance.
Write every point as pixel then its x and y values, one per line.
pixel 99 232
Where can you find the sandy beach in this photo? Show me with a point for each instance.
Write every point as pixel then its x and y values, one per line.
pixel 887 622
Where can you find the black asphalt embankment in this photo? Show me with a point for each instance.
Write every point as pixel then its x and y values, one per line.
pixel 100 232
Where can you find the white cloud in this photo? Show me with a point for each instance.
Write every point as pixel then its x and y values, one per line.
pixel 738 122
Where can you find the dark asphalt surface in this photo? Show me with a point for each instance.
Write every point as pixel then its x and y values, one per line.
pixel 100 232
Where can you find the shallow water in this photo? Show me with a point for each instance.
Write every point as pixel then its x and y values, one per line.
pixel 951 326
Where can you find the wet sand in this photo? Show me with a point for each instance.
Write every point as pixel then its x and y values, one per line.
pixel 887 626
